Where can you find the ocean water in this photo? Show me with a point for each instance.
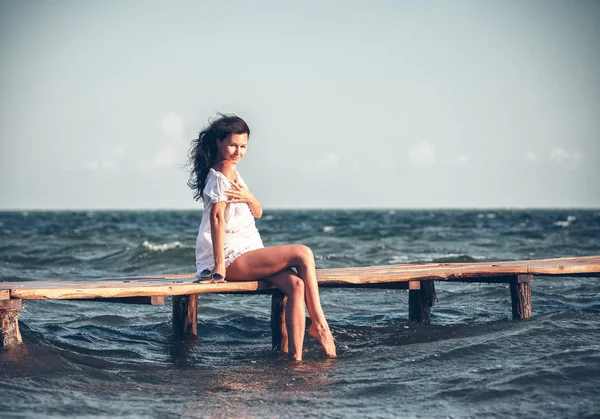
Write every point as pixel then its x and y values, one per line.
pixel 102 359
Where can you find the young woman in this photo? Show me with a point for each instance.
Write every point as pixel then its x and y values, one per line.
pixel 229 245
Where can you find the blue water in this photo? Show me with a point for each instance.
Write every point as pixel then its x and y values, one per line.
pixel 103 359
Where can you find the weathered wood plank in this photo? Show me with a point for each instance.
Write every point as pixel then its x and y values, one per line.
pixel 10 335
pixel 373 285
pixel 522 279
pixel 420 302
pixel 185 316
pixel 11 304
pixel 502 279
pixel 520 292
pixel 414 285
pixel 165 285
pixel 133 290
pixel 165 276
pixel 4 294
pixel 155 301
pixel 279 334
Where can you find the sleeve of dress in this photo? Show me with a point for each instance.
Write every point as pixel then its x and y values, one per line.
pixel 215 189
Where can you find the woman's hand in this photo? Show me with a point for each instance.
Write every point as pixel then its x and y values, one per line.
pixel 239 193
pixel 218 275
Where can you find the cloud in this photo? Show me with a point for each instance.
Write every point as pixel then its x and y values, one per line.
pixel 422 153
pixel 566 158
pixel 531 157
pixel 172 144
pixel 165 157
pixel 168 152
pixel 461 159
pixel 172 125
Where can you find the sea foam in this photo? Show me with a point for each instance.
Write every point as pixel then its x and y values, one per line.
pixel 566 223
pixel 161 247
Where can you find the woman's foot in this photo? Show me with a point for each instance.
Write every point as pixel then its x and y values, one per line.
pixel 324 336
pixel 207 277
pixel 203 281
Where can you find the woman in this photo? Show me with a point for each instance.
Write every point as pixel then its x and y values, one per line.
pixel 229 245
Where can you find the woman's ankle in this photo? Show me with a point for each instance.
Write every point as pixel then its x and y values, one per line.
pixel 319 325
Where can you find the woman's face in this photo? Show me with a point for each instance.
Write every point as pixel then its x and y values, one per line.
pixel 233 147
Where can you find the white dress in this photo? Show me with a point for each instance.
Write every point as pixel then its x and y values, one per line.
pixel 241 234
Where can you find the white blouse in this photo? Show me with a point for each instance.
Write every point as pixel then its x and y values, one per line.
pixel 241 234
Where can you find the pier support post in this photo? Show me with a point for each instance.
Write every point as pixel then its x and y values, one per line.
pixel 420 301
pixel 278 327
pixel 10 336
pixel 185 316
pixel 520 293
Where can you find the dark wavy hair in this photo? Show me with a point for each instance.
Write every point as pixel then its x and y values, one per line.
pixel 203 150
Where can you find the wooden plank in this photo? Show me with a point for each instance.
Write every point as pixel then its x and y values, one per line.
pixel 133 290
pixel 374 285
pixel 522 279
pixel 185 316
pixel 165 276
pixel 10 335
pixel 279 334
pixel 550 265
pixel 502 279
pixel 414 285
pixel 520 292
pixel 391 273
pixel 90 291
pixel 90 283
pixel 13 304
pixel 420 302
pixel 4 294
pixel 165 285
pixel 155 301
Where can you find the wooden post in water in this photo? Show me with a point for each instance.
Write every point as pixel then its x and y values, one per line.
pixel 10 336
pixel 520 293
pixel 421 297
pixel 185 316
pixel 279 333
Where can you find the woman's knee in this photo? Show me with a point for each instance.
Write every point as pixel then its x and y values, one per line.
pixel 303 254
pixel 297 286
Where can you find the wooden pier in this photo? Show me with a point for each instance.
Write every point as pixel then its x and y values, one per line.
pixel 418 279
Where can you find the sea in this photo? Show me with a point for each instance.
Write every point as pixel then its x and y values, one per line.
pixel 99 359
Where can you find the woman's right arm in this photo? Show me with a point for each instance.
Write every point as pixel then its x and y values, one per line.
pixel 217 233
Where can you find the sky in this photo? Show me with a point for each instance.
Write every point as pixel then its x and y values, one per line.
pixel 351 104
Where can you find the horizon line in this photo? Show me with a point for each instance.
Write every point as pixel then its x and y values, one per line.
pixel 383 208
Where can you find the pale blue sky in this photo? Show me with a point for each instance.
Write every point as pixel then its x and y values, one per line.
pixel 352 104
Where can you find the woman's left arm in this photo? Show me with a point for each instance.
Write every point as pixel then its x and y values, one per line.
pixel 239 193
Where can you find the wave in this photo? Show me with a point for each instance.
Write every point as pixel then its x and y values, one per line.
pixel 457 258
pixel 565 223
pixel 161 247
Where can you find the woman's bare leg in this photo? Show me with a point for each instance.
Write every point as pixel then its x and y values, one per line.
pixel 262 263
pixel 295 316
